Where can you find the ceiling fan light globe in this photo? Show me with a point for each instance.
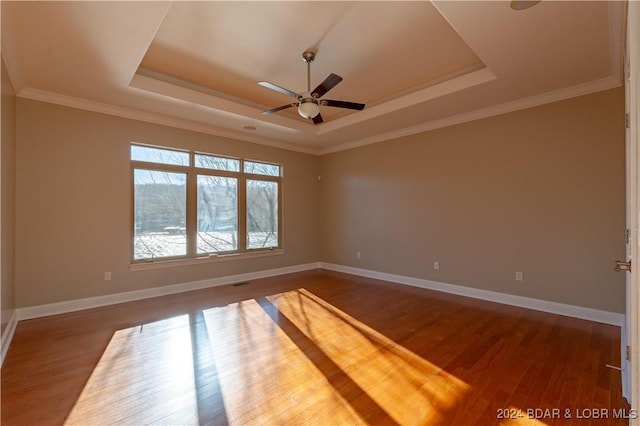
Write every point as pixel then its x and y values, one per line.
pixel 308 109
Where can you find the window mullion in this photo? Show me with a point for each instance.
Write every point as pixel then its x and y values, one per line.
pixel 192 212
pixel 242 213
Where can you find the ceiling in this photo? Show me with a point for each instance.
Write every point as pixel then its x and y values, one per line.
pixel 417 65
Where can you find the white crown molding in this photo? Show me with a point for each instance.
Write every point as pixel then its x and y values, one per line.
pixel 544 98
pixel 150 117
pixel 155 118
pixel 130 296
pixel 580 312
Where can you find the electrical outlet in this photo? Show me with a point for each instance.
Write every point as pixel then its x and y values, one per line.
pixel 107 276
pixel 519 276
pixel 357 255
pixel 436 265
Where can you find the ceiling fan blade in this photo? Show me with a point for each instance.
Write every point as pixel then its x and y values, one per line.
pixel 317 119
pixel 280 108
pixel 328 84
pixel 342 104
pixel 279 89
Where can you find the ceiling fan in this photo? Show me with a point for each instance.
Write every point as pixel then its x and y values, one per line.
pixel 309 102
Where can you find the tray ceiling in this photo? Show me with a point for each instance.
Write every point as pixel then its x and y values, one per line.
pixel 417 65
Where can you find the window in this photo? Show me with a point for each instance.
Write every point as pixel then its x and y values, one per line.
pixel 262 213
pixel 193 204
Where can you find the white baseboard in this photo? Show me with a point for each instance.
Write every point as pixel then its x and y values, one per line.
pixel 590 314
pixel 580 312
pixel 7 336
pixel 130 296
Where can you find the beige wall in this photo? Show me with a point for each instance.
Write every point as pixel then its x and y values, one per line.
pixel 539 191
pixel 7 203
pixel 73 204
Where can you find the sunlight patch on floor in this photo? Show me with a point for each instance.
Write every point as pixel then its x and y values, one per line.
pixel 141 370
pixel 291 358
pixel 265 378
pixel 410 389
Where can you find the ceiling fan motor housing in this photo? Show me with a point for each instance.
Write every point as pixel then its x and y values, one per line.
pixel 308 107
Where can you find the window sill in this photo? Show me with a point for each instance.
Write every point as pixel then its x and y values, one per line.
pixel 143 266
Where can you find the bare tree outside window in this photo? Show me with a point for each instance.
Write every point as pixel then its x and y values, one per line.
pixel 217 214
pixel 160 214
pixel 217 163
pixel 262 214
pixel 159 155
pixel 256 168
pixel 188 204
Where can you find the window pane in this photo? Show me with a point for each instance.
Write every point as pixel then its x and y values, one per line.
pixel 261 168
pixel 159 155
pixel 262 214
pixel 217 214
pixel 217 163
pixel 160 200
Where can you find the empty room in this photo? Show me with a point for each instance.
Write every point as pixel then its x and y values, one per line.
pixel 319 213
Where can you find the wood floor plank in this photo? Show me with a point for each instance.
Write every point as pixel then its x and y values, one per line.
pixel 312 348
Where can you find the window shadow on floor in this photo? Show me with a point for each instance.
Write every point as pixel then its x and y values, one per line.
pixel 366 407
pixel 211 409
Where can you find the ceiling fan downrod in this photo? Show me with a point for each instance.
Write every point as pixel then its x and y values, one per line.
pixel 308 56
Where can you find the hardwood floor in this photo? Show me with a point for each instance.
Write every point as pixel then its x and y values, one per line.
pixel 312 348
